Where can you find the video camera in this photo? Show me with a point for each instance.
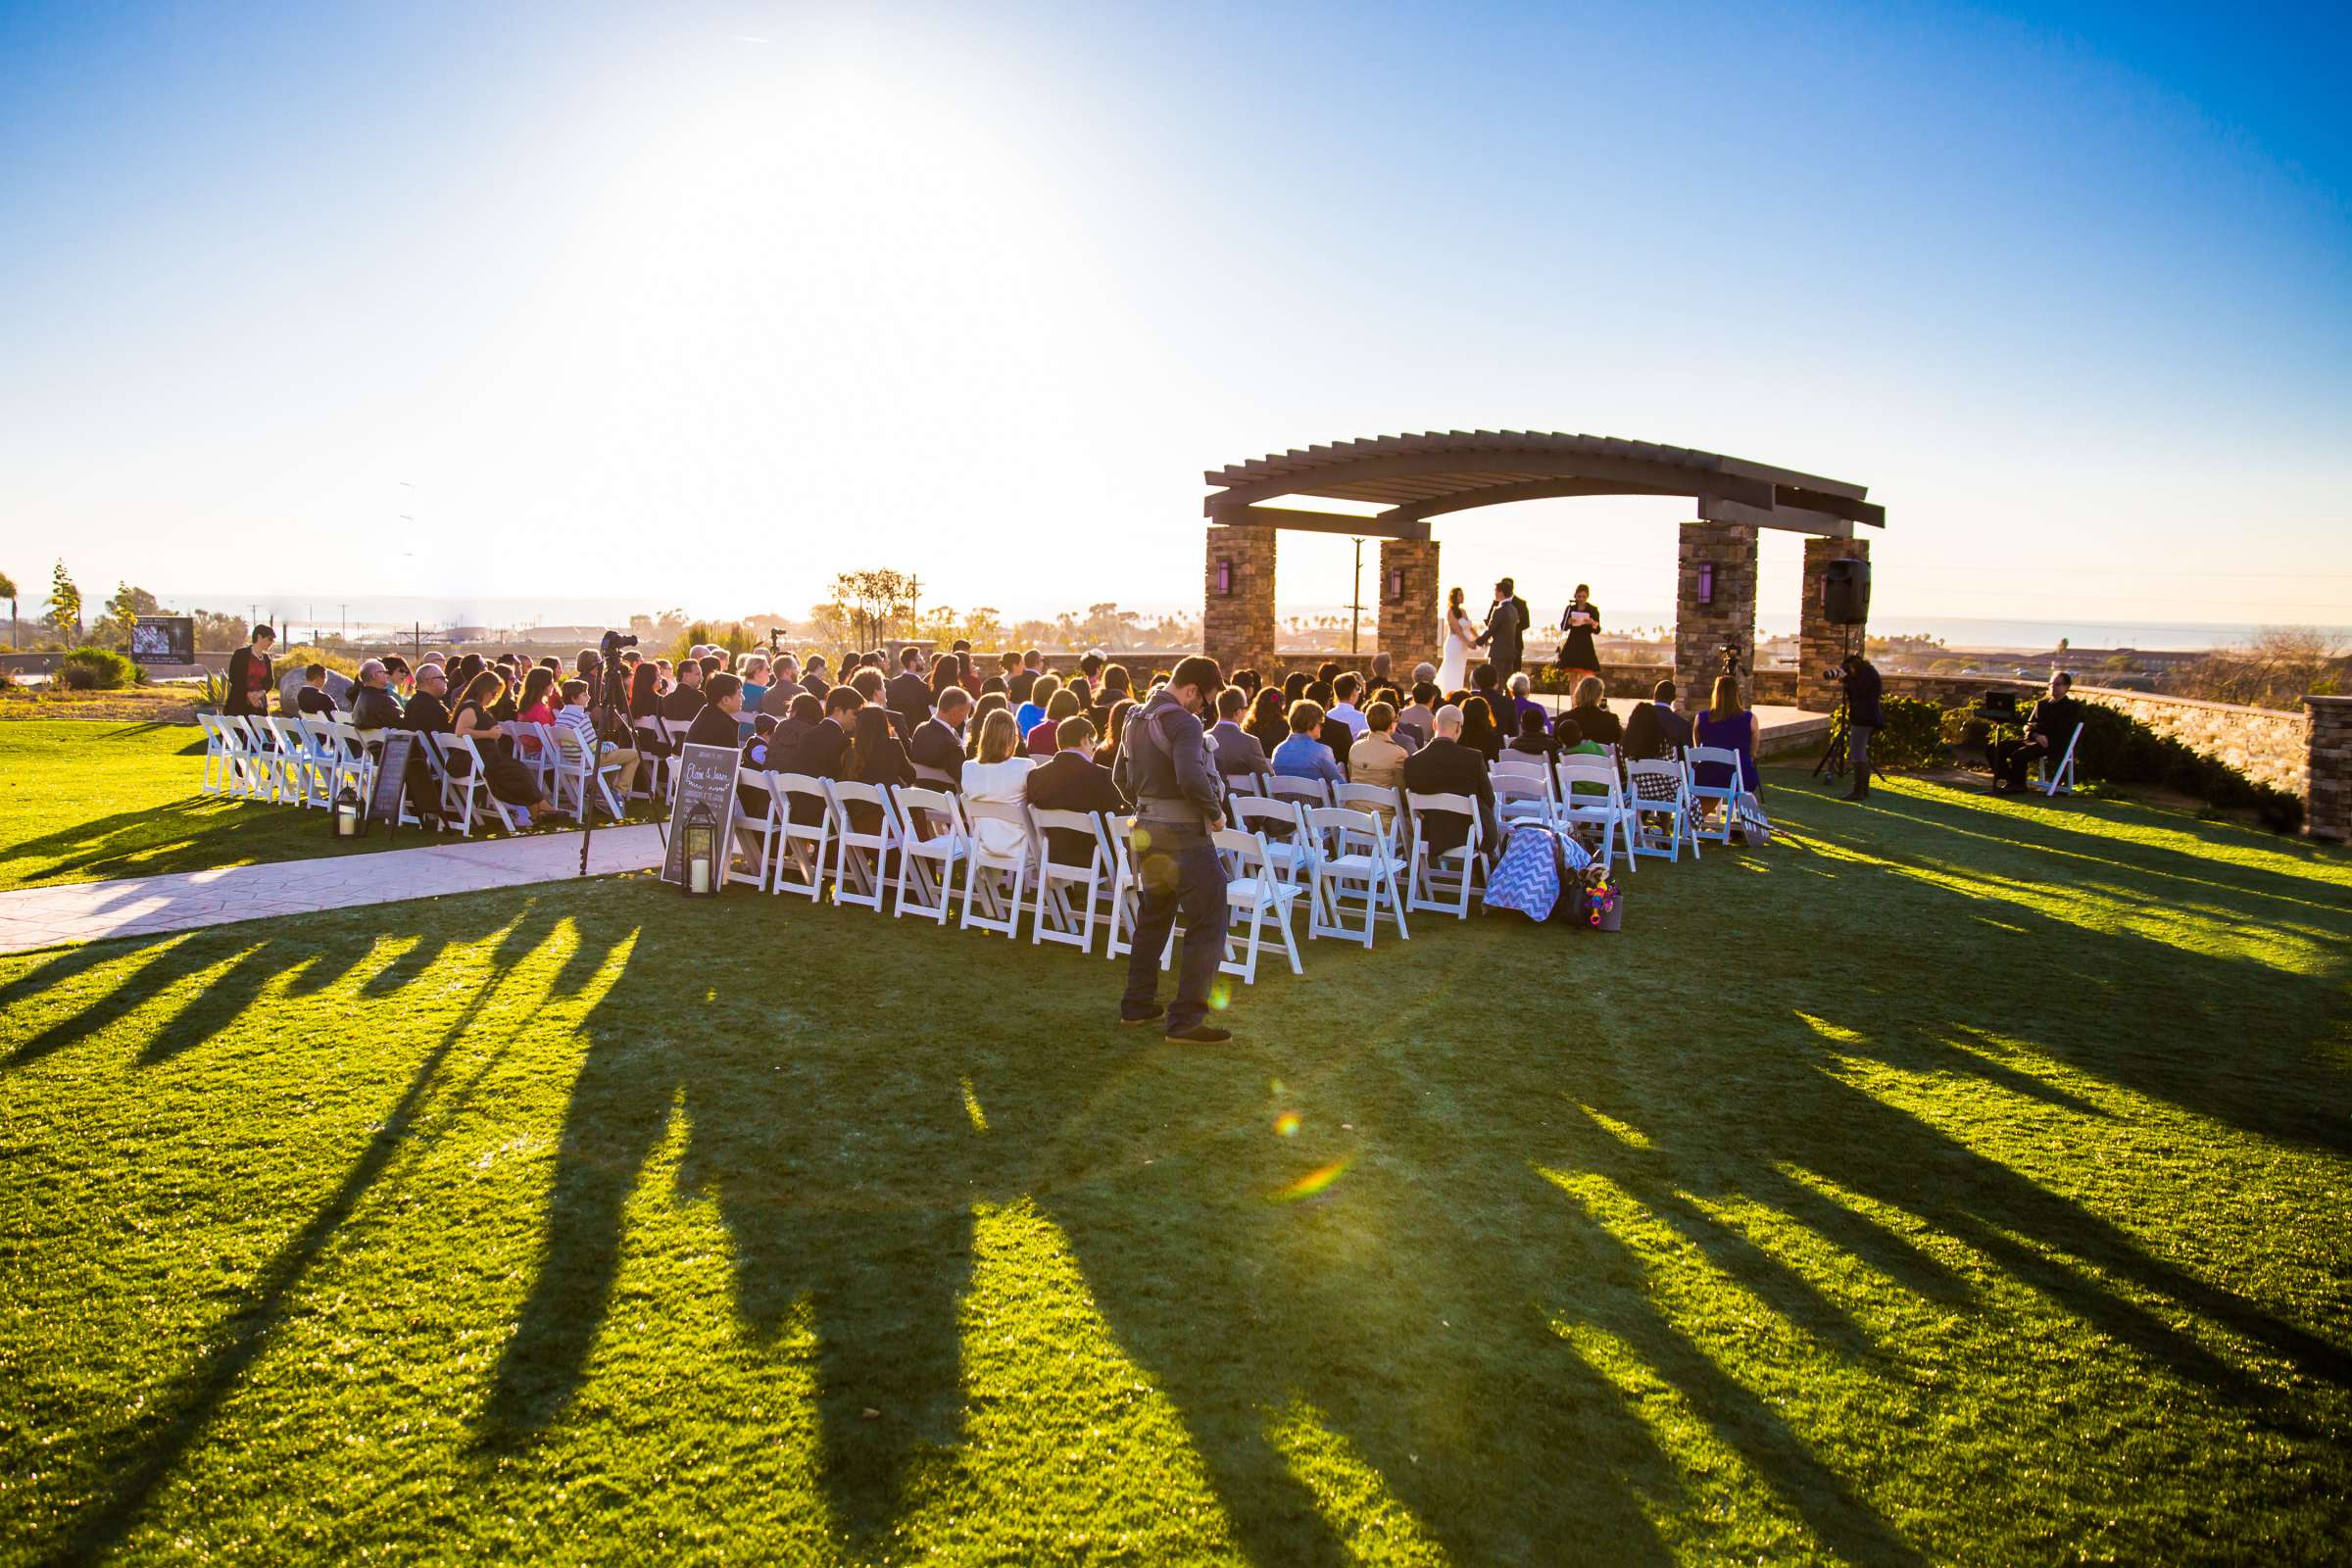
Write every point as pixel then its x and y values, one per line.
pixel 615 641
pixel 1730 654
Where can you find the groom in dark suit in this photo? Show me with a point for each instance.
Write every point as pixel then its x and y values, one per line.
pixel 1506 630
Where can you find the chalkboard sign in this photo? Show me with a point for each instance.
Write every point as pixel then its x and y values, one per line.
pixel 706 778
pixel 163 640
pixel 391 776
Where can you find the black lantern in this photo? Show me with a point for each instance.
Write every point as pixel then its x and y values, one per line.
pixel 351 818
pixel 697 842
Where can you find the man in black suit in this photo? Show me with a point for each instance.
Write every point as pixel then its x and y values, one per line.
pixel 937 746
pixel 685 699
pixel 1446 766
pixel 908 694
pixel 1507 630
pixel 1070 780
pixel 1655 729
pixel 2048 732
pixel 715 724
pixel 373 704
pixel 1019 683
pixel 428 713
pixel 1237 751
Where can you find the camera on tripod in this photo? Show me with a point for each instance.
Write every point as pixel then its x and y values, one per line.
pixel 1728 657
pixel 615 641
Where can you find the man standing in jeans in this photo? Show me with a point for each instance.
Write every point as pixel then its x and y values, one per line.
pixel 1166 769
pixel 1862 717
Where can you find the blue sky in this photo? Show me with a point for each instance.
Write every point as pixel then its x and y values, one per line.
pixel 700 304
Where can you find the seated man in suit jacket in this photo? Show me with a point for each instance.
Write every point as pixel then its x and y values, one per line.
pixel 908 694
pixel 1070 780
pixel 1446 766
pixel 937 746
pixel 824 750
pixel 1237 751
pixel 715 724
pixel 1655 729
pixel 685 699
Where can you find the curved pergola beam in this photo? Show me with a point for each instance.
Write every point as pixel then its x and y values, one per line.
pixel 1328 479
pixel 1524 490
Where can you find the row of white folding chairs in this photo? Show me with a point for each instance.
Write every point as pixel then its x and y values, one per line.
pixel 929 850
pixel 291 759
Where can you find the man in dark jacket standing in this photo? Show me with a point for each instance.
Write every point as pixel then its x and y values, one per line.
pixel 1164 767
pixel 1863 718
pixel 1506 630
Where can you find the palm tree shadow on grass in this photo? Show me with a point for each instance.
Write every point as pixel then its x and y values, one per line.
pixel 145 1452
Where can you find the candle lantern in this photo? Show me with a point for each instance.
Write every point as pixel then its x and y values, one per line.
pixel 351 818
pixel 1224 575
pixel 1706 582
pixel 698 841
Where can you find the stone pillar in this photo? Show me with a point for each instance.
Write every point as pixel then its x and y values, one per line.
pixel 1720 557
pixel 1237 615
pixel 1819 644
pixel 1409 604
pixel 2328 807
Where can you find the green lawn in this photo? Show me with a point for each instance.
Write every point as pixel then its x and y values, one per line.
pixel 1958 1180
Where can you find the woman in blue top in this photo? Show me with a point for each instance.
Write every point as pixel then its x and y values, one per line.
pixel 1730 728
pixel 1032 713
pixel 1302 756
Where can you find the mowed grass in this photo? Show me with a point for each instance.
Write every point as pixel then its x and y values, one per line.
pixel 85 799
pixel 1958 1180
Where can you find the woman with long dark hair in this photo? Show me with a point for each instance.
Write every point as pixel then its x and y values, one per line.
pixel 1268 725
pixel 1477 730
pixel 506 778
pixel 878 756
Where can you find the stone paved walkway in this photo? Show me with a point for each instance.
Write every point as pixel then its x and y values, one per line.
pixel 140 906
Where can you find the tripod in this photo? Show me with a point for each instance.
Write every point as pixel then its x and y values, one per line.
pixel 1837 754
pixel 607 708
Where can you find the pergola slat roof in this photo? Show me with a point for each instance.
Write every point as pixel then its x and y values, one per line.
pixel 1426 474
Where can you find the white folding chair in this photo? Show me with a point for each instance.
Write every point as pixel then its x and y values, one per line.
pixel 933 843
pixel 1062 906
pixel 1724 794
pixel 993 879
pixel 240 756
pixel 1519 797
pixel 217 767
pixel 1381 802
pixel 1432 872
pixel 1586 793
pixel 860 855
pixel 1355 868
pixel 534 747
pixel 2059 780
pixel 1245 784
pixel 1254 892
pixel 1518 764
pixel 1126 894
pixel 470 784
pixel 352 759
pixel 290 759
pixel 673 733
pixel 1281 827
pixel 1306 791
pixel 802 848
pixel 1658 795
pixel 576 774
pixel 756 833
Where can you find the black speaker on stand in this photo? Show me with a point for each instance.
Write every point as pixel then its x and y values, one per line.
pixel 1846 592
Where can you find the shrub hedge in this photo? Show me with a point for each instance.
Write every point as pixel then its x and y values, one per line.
pixel 97 669
pixel 2117 749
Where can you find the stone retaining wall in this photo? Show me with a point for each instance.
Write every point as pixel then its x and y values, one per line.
pixel 2269 745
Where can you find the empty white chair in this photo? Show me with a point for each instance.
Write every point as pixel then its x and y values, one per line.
pixel 1355 870
pixel 1062 907
pixel 1587 795
pixel 1519 797
pixel 351 762
pixel 803 846
pixel 756 833
pixel 933 843
pixel 996 873
pixel 1306 791
pixel 1658 795
pixel 1432 872
pixel 220 770
pixel 1281 827
pixel 1725 796
pixel 860 853
pixel 289 758
pixel 1253 894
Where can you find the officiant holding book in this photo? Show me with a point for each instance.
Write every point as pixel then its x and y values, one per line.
pixel 1578 622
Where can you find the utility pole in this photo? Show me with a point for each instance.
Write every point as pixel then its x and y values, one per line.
pixel 346 632
pixel 1355 601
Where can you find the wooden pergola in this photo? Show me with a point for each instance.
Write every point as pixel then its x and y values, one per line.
pixel 1413 478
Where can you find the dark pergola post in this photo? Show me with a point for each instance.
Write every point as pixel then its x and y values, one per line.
pixel 1237 613
pixel 1715 602
pixel 1820 644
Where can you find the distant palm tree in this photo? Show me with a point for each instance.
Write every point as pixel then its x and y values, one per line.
pixel 8 590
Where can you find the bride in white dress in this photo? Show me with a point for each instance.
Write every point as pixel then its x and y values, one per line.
pixel 1453 670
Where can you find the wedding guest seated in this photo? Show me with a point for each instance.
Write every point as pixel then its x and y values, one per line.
pixel 1486 684
pixel 1591 710
pixel 685 699
pixel 1065 704
pixel 397 676
pixel 506 778
pixel 909 691
pixel 1116 688
pixel 1267 724
pixel 1120 711
pixel 996 774
pixel 753 669
pixel 1418 717
pixel 373 704
pixel 1477 730
pixel 1072 780
pixel 1021 684
pixel 1345 689
pixel 715 724
pixel 876 756
pixel 1521 688
pixel 1377 759
pixel 1448 767
pixel 1237 751
pixel 1726 726
pixel 427 712
pixel 1384 673
pixel 1303 755
pixel 1030 712
pixel 798 724
pixel 824 750
pixel 1334 733
pixel 990 703
pixel 1534 739
pixel 645 705
pixel 937 746
pixel 575 717
pixel 815 678
pixel 1653 729
pixel 307 695
pixel 783 685
pixel 869 683
pixel 1293 690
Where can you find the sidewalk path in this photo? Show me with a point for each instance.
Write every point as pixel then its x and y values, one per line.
pixel 140 906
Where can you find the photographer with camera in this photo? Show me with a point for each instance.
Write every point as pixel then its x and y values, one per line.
pixel 1860 679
